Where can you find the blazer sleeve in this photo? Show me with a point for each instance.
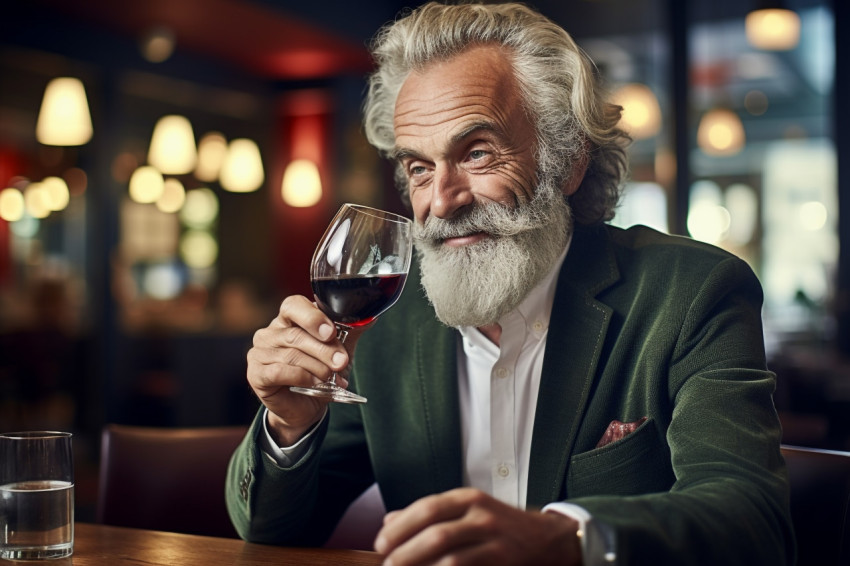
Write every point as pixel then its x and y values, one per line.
pixel 299 505
pixel 729 500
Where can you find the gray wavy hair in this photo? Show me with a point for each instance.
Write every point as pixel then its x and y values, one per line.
pixel 558 84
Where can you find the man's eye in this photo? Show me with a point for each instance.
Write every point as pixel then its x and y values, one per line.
pixel 417 170
pixel 477 154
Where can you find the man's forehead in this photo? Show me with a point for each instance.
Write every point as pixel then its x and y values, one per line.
pixel 473 91
pixel 483 67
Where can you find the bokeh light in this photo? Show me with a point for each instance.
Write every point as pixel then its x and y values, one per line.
pixel 146 184
pixel 11 204
pixel 200 209
pixel 173 196
pixel 198 249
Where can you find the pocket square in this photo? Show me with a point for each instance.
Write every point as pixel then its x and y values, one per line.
pixel 618 430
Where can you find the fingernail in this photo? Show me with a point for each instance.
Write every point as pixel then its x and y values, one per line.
pixel 339 359
pixel 325 331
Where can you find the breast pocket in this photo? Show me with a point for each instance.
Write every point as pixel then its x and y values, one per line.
pixel 636 464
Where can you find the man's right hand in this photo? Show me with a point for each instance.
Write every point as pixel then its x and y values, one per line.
pixel 299 347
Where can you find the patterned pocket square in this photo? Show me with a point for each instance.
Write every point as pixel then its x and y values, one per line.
pixel 618 430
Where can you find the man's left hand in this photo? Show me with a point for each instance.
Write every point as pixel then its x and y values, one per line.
pixel 471 527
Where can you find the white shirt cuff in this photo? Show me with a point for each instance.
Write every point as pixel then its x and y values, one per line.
pixel 598 546
pixel 286 457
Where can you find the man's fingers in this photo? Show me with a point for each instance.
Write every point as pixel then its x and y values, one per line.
pixel 403 525
pixel 274 344
pixel 298 310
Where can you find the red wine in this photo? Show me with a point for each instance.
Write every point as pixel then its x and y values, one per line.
pixel 357 300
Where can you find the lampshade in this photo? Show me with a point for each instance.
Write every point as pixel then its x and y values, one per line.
pixel 64 117
pixel 720 133
pixel 775 29
pixel 301 185
pixel 641 112
pixel 242 170
pixel 146 184
pixel 212 150
pixel 172 150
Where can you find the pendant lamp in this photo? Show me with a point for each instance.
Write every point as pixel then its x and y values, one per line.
pixel 773 27
pixel 302 186
pixel 242 170
pixel 64 118
pixel 172 150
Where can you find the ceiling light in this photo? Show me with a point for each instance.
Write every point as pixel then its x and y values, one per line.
pixel 36 200
pixel 641 112
pixel 146 184
pixel 242 170
pixel 173 196
pixel 64 117
pixel 158 44
pixel 212 150
pixel 58 195
pixel 172 148
pixel 773 28
pixel 11 204
pixel 301 185
pixel 720 133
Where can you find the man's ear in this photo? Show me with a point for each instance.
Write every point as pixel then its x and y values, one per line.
pixel 579 169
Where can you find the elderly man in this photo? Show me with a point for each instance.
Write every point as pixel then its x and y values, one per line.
pixel 549 389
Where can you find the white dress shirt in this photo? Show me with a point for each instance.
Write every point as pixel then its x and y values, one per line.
pixel 498 394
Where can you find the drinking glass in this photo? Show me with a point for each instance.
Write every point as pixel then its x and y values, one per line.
pixel 357 273
pixel 36 495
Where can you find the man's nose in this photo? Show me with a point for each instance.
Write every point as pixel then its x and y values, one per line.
pixel 451 192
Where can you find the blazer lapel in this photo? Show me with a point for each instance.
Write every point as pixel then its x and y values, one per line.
pixel 574 344
pixel 436 371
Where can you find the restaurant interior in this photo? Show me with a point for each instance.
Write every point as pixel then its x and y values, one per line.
pixel 167 166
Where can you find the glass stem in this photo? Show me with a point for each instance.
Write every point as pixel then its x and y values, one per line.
pixel 341 334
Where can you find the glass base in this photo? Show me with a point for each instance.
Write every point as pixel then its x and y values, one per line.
pixel 330 391
pixel 37 553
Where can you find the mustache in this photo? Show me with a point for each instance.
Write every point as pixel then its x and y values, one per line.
pixel 492 218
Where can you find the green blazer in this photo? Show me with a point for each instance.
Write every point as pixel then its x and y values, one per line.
pixel 643 325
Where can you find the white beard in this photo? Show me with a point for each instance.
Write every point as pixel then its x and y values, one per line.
pixel 477 284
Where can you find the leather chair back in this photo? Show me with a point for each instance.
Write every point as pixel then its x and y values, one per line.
pixel 820 504
pixel 166 479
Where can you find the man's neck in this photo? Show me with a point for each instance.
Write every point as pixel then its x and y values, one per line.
pixel 493 332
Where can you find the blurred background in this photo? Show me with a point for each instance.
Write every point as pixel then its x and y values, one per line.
pixel 166 167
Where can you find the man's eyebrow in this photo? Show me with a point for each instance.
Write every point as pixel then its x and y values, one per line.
pixel 474 128
pixel 399 153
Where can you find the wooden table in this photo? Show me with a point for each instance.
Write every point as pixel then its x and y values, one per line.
pixel 100 545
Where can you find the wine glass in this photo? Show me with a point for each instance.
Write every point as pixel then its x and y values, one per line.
pixel 357 273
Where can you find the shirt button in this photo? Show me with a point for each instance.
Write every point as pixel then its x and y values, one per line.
pixel 503 471
pixel 539 326
pixel 502 373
